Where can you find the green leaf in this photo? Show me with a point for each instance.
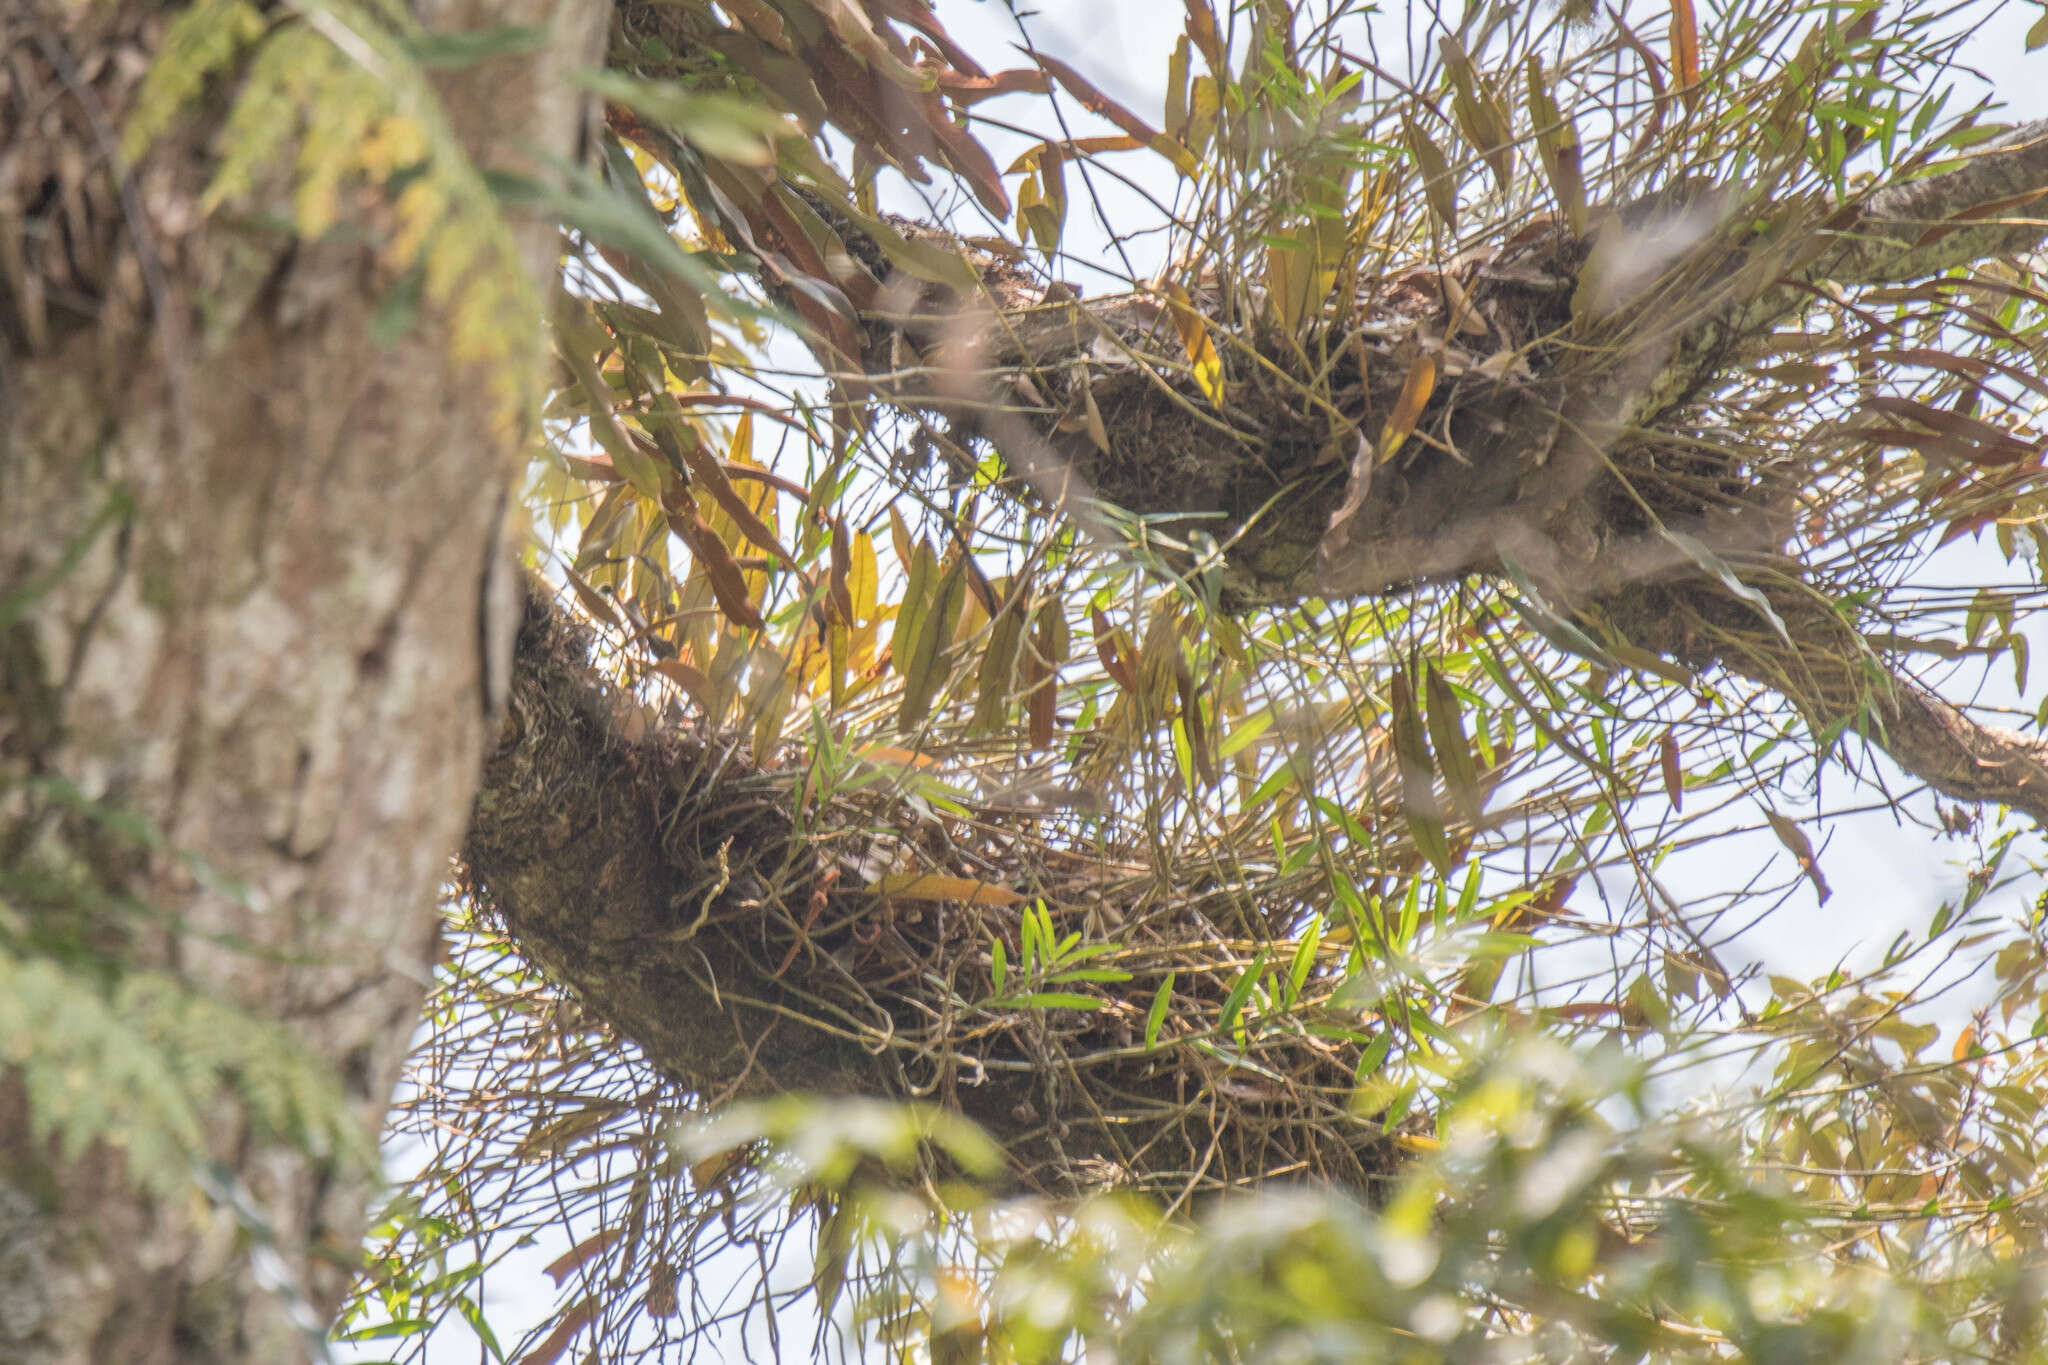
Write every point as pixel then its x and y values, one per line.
pixel 1241 992
pixel 728 127
pixel 1375 1054
pixel 1047 1000
pixel 1304 958
pixel 1156 1016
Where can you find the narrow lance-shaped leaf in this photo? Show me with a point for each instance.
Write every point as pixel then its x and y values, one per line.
pixel 1156 1015
pixel 922 576
pixel 1415 392
pixel 1202 29
pixel 927 668
pixel 1557 144
pixel 1453 750
pixel 1048 650
pixel 1418 787
pixel 1674 779
pixel 1685 50
pixel 708 474
pixel 728 584
pixel 1438 187
pixel 1234 1003
pixel 1113 648
pixel 1481 115
pixel 939 886
pixel 839 591
pixel 1203 361
pixel 1101 105
pixel 999 666
pixel 1201 743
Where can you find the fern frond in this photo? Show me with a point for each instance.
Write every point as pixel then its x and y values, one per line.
pixel 141 1066
pixel 342 88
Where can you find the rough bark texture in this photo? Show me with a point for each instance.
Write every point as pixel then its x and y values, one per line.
pixel 256 549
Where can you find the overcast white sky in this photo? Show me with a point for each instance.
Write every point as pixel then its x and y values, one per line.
pixel 1887 877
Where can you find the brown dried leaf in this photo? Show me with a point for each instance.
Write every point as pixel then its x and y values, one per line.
pixel 1113 650
pixel 728 584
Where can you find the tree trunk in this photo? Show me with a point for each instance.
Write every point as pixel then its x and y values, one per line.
pixel 245 569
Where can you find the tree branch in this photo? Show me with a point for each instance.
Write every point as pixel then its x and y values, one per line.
pixel 1988 206
pixel 675 889
pixel 1832 676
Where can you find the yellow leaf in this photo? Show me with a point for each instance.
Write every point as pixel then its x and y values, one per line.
pixel 937 886
pixel 864 580
pixel 1194 335
pixel 902 758
pixel 1415 391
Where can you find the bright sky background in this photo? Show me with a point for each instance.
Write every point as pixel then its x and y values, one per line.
pixel 1888 877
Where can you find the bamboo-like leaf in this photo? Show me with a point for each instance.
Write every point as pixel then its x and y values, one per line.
pixel 1156 1015
pixel 1201 743
pixel 997 680
pixel 1674 778
pixel 1202 29
pixel 1480 113
pixel 1048 1000
pixel 1415 392
pixel 728 584
pixel 839 580
pixel 568 1325
pixel 899 536
pixel 1685 50
pixel 1042 664
pixel 922 577
pixel 708 474
pixel 1453 750
pixel 938 886
pixel 1418 786
pixel 1718 567
pixel 1234 1003
pixel 1203 360
pixel 927 667
pixel 692 680
pixel 594 602
pixel 1091 413
pixel 1438 186
pixel 1557 144
pixel 1101 105
pixel 1176 122
pixel 1114 649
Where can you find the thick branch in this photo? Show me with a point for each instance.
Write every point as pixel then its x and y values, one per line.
pixel 1534 464
pixel 668 884
pixel 1991 205
pixel 1831 675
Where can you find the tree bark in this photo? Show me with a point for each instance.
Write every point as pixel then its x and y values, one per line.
pixel 246 557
